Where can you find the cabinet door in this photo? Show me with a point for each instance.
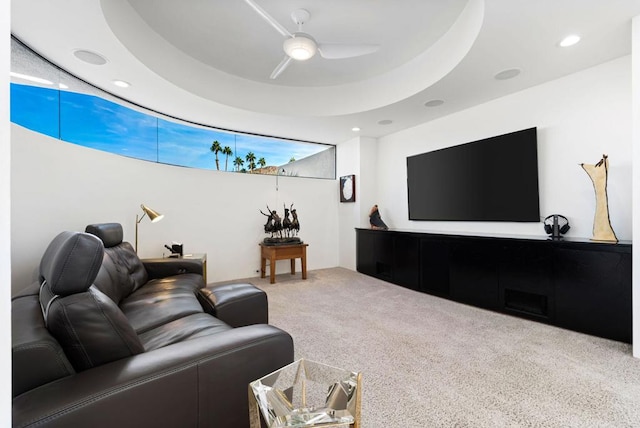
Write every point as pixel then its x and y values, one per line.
pixel 383 247
pixel 406 266
pixel 593 292
pixel 434 267
pixel 525 281
pixel 473 274
pixel 365 252
pixel 375 253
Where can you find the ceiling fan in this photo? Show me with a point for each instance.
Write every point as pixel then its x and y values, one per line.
pixel 301 46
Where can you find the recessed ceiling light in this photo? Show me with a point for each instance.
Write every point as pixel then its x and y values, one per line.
pixel 89 57
pixel 507 74
pixel 385 122
pixel 569 40
pixel 121 83
pixel 31 78
pixel 355 129
pixel 434 103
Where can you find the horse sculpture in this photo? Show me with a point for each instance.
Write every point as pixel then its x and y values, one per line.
pixel 286 222
pixel 273 224
pixel 281 230
pixel 295 223
pixel 268 226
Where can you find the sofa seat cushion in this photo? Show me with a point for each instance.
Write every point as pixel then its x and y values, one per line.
pixel 189 327
pixel 161 301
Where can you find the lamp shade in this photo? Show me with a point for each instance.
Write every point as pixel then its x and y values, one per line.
pixel 154 216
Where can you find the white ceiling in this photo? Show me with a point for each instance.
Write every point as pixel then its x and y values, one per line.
pixel 209 61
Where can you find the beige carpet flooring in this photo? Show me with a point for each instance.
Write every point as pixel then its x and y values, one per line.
pixel 430 362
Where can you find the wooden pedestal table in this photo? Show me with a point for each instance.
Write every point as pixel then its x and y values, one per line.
pixel 282 252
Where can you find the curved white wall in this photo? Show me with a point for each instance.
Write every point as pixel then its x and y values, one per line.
pixel 5 226
pixel 59 186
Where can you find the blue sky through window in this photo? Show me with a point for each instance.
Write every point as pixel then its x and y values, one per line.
pixel 95 122
pixel 36 108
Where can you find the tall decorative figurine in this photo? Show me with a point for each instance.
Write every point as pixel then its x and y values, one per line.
pixel 602 230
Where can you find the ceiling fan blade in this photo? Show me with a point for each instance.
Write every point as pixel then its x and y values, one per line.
pixel 275 24
pixel 281 67
pixel 340 51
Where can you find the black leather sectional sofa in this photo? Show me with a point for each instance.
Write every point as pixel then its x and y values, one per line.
pixel 105 340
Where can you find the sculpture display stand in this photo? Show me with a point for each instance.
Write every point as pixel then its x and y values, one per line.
pixel 602 230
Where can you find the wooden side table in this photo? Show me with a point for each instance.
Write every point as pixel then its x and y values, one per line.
pixel 282 252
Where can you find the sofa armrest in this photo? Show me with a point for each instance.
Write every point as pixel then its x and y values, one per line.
pixel 236 304
pixel 200 382
pixel 169 266
pixel 37 358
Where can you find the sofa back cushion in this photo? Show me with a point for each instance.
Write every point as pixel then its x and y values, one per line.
pixel 91 329
pixel 131 272
pixel 89 326
pixel 122 271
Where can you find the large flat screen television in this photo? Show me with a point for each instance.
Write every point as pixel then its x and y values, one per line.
pixel 495 179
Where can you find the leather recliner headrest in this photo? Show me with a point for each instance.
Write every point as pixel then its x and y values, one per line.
pixel 71 262
pixel 110 233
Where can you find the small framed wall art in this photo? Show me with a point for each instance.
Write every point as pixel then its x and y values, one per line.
pixel 348 188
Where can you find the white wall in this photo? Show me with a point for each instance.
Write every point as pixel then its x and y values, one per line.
pixel 369 180
pixel 322 164
pixel 357 156
pixel 59 186
pixel 347 163
pixel 5 216
pixel 579 117
pixel 636 180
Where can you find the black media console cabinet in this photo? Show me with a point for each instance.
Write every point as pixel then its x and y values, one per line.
pixel 575 284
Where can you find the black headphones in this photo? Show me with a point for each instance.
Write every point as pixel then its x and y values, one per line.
pixel 554 219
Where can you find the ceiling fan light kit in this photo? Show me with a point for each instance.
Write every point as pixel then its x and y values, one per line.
pixel 300 47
